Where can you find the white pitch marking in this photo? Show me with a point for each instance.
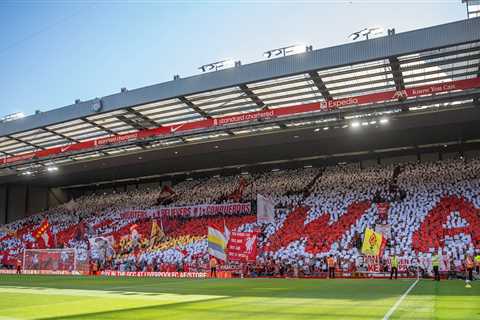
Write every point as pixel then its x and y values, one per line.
pixel 399 301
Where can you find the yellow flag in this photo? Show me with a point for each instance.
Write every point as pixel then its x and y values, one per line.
pixel 372 243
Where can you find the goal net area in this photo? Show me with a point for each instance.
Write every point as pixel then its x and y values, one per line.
pixel 55 261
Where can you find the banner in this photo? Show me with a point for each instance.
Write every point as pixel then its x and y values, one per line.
pixel 265 209
pixel 44 236
pixel 372 243
pixel 154 274
pixel 251 116
pixel 373 263
pixel 242 246
pixel 190 211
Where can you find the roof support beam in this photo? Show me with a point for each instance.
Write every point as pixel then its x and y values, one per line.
pixel 397 73
pixel 130 122
pixel 191 105
pixel 320 85
pixel 25 142
pixel 145 119
pixel 3 153
pixel 60 135
pixel 249 93
pixel 99 126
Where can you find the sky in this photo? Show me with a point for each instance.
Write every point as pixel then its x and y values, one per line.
pixel 53 52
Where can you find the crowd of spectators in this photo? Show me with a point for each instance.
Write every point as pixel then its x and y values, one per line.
pixel 319 212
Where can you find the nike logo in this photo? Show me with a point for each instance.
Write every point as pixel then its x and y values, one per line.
pixel 172 129
pixel 63 149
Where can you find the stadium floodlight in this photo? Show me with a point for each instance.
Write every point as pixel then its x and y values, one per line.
pixel 27 173
pixel 384 120
pixel 365 123
pixel 245 173
pixel 326 128
pixel 373 122
pixel 288 50
pixel 223 64
pixel 355 124
pixel 367 33
pixel 316 130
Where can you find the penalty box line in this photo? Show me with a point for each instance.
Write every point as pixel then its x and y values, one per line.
pixel 400 300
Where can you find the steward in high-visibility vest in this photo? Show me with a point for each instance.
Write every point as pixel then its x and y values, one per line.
pixel 436 266
pixel 393 266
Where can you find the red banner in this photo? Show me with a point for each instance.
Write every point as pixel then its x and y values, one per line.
pixel 251 116
pixel 242 246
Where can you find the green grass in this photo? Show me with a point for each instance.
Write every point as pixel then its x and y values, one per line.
pixel 62 297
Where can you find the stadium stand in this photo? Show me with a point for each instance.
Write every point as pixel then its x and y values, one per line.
pixel 431 207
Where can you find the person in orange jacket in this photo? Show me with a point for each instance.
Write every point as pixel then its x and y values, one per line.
pixel 331 267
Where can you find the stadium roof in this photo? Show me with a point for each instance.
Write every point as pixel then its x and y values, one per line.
pixel 418 72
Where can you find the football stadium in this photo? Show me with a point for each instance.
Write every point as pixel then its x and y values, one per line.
pixel 318 183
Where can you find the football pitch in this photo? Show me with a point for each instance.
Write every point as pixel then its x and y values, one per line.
pixel 64 297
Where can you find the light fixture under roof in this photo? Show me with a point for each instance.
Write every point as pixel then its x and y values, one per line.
pixel 52 168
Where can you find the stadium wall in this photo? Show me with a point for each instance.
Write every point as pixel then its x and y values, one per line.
pixel 20 200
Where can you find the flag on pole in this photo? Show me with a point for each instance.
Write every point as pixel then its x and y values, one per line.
pixel 44 235
pixel 265 209
pixel 372 243
pixel 217 243
pixel 156 233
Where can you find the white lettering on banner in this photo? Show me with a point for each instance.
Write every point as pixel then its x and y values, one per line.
pixel 373 263
pixel 400 94
pixel 154 274
pixel 116 139
pixel 45 272
pixel 338 103
pixel 245 117
pixel 190 211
